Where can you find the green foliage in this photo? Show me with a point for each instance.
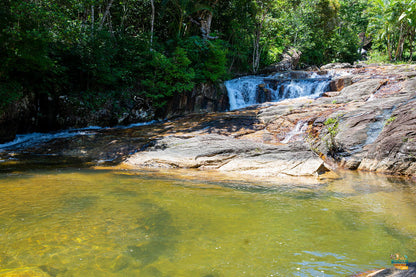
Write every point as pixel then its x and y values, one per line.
pixel 215 62
pixel 9 92
pixel 208 58
pixel 164 76
pixel 332 125
pixel 390 120
pixel 393 26
pixel 378 57
pixel 69 47
pixel 88 47
pixel 25 63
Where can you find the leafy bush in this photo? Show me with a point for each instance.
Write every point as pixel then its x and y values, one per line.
pixel 376 56
pixel 9 92
pixel 164 76
pixel 208 58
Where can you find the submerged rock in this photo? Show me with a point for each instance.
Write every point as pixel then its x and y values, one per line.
pixel 24 272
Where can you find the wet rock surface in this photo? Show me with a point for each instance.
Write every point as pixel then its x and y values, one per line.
pixel 15 117
pixel 229 154
pixel 369 124
pixel 363 134
pixel 205 97
pixel 44 113
pixel 390 272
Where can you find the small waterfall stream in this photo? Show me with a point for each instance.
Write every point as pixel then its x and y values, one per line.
pixel 299 130
pixel 32 139
pixel 251 90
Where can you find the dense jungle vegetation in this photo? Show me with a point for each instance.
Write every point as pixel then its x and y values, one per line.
pixel 153 49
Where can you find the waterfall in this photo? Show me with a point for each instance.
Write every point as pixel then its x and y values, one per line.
pixel 250 90
pixel 242 91
pixel 299 130
pixel 32 139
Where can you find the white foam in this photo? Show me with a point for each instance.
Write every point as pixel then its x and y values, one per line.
pixel 299 129
pixel 242 91
pixel 26 140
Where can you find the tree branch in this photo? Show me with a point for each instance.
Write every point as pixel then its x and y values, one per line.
pixel 107 11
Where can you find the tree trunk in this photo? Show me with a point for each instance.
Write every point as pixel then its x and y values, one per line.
pixel 110 24
pixel 180 24
pixel 231 64
pixel 123 17
pixel 399 48
pixel 152 23
pixel 256 43
pixel 411 40
pixel 92 18
pixel 107 11
pixel 256 50
pixel 389 47
pixel 206 19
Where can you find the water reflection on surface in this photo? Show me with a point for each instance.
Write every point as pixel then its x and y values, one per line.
pixel 123 223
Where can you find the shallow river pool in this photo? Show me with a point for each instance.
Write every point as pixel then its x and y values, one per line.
pixel 86 222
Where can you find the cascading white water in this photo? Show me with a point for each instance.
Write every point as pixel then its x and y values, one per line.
pixel 299 130
pixel 244 91
pixel 301 88
pixel 27 140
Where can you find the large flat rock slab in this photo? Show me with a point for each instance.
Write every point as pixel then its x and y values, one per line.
pixel 228 154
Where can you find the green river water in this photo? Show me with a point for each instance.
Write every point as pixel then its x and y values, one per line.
pixel 84 222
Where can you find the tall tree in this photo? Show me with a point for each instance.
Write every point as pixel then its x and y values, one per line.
pixel 152 23
pixel 261 13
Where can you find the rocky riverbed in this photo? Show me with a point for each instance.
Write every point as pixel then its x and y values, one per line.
pixel 367 122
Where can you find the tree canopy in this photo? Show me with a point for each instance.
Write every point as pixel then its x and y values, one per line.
pixel 157 48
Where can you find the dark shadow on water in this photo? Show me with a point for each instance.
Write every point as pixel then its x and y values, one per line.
pixel 77 204
pixel 29 162
pixel 151 271
pixel 397 234
pixel 52 271
pixel 121 193
pixel 309 195
pixel 350 220
pixel 160 233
